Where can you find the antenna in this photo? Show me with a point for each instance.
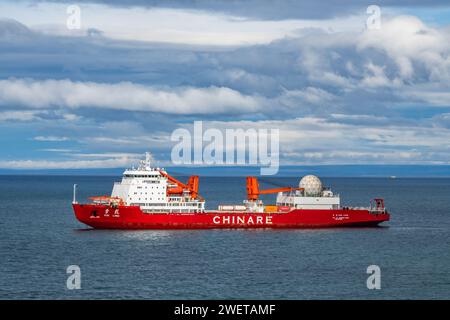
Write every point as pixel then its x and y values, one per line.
pixel 148 161
pixel 74 194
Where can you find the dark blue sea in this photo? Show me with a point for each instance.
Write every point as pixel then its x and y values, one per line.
pixel 40 238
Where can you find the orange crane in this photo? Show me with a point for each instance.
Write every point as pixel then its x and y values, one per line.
pixel 253 191
pixel 191 185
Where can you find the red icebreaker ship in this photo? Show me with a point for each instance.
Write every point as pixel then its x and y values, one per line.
pixel 149 198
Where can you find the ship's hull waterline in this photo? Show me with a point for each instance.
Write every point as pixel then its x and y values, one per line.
pixel 101 216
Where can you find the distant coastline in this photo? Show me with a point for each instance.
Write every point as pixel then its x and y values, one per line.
pixel 367 171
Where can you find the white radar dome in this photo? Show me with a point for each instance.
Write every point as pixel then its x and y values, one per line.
pixel 312 185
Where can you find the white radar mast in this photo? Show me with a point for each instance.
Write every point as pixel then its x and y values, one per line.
pixel 146 164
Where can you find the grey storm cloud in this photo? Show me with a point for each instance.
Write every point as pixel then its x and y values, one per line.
pixel 267 9
pixel 314 73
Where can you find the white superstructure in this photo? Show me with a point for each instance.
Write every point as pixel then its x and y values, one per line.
pixel 313 196
pixel 154 191
pixel 147 187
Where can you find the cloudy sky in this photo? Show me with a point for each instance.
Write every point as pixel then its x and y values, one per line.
pixel 339 92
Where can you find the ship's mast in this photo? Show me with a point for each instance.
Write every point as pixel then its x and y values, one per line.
pixel 146 164
pixel 74 194
pixel 148 160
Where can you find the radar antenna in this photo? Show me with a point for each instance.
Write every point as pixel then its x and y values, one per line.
pixel 146 164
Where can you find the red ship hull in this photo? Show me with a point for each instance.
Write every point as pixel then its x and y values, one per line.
pixel 131 217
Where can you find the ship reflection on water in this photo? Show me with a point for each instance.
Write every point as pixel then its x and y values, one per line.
pixel 140 235
pixel 147 235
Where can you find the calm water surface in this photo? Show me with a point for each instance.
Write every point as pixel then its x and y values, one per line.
pixel 40 237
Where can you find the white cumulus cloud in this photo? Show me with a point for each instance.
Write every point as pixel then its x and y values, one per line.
pixel 126 96
pixel 50 138
pixel 112 162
